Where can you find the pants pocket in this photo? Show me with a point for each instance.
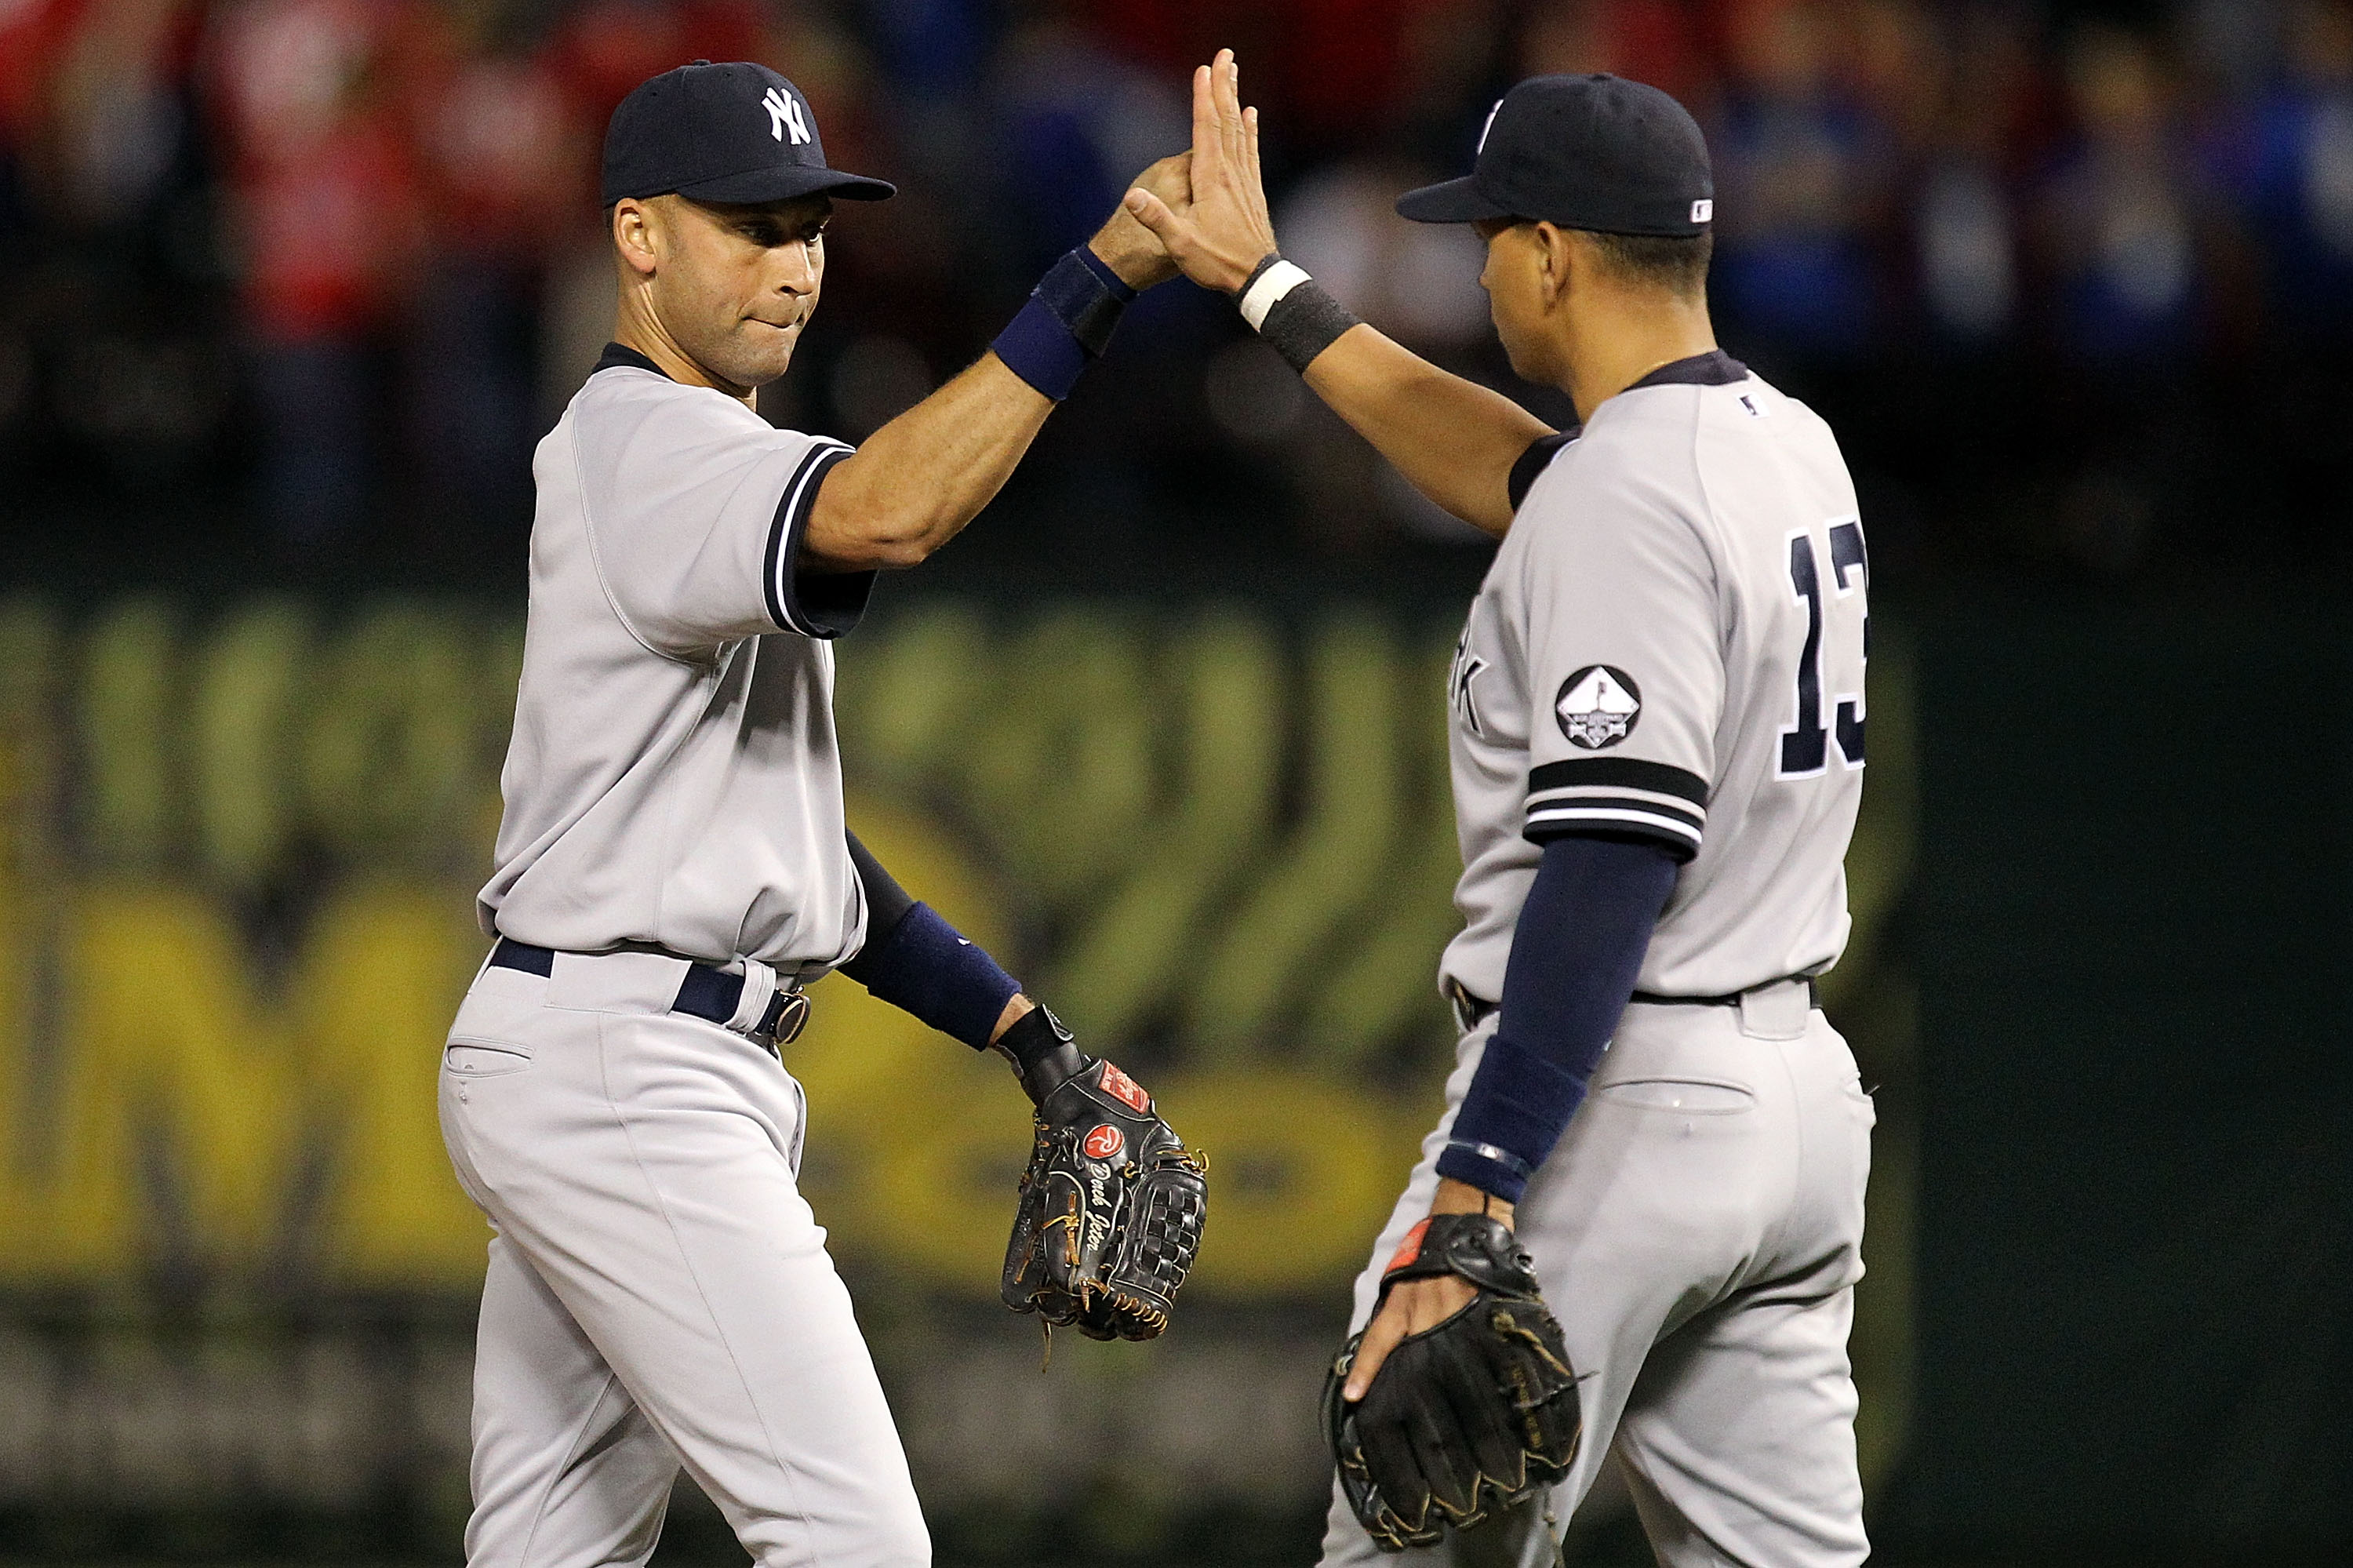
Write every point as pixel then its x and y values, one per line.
pixel 471 1056
pixel 800 1125
pixel 1683 1096
pixel 1859 1099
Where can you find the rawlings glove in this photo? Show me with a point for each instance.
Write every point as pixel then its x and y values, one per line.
pixel 1466 1419
pixel 1112 1204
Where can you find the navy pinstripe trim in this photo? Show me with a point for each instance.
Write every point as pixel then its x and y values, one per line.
pixel 1577 817
pixel 1714 368
pixel 1617 797
pixel 1611 816
pixel 1601 805
pixel 1529 466
pixel 617 358
pixel 817 605
pixel 1619 773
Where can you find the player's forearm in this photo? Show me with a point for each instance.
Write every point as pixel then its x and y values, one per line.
pixel 915 484
pixel 1575 953
pixel 916 481
pixel 1453 439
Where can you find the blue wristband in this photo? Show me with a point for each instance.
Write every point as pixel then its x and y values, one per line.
pixel 923 967
pixel 1066 324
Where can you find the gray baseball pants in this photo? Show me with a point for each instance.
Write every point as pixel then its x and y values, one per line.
pixel 658 1292
pixel 1698 1234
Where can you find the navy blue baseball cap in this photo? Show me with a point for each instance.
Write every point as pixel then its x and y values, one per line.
pixel 733 132
pixel 1585 152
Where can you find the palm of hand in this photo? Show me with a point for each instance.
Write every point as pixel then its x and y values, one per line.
pixel 1220 231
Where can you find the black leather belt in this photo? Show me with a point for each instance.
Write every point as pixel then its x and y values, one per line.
pixel 1730 999
pixel 1470 1012
pixel 707 992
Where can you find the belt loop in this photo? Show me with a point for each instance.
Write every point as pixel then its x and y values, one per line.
pixel 1778 1010
pixel 752 1003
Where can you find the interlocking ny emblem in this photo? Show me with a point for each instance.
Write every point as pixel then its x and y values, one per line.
pixel 784 114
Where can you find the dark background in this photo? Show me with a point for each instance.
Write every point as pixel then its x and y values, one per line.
pixel 295 285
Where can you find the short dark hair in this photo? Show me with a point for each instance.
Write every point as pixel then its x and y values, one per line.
pixel 1675 262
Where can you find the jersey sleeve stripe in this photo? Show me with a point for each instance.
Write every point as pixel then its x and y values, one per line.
pixel 824 605
pixel 1668 810
pixel 1619 773
pixel 1678 836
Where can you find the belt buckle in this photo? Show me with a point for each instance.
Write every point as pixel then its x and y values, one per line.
pixel 1467 1008
pixel 792 1017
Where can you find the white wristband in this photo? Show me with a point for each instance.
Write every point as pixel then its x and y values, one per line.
pixel 1272 284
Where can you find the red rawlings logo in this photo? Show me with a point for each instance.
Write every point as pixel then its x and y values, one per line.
pixel 1410 1250
pixel 1121 1086
pixel 1104 1143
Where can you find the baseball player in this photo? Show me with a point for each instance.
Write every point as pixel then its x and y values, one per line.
pixel 1657 751
pixel 673 868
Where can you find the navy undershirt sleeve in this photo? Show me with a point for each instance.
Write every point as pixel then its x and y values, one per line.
pixel 915 960
pixel 887 903
pixel 1576 954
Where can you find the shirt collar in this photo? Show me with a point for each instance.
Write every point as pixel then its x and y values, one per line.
pixel 616 357
pixel 1714 368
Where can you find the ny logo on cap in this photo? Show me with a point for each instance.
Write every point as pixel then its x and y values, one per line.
pixel 1483 129
pixel 783 112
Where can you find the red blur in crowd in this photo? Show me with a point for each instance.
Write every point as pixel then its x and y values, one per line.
pixel 381 184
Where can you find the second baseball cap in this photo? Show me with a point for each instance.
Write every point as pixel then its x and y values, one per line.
pixel 736 133
pixel 1585 152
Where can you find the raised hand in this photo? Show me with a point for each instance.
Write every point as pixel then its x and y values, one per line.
pixel 1224 232
pixel 1130 248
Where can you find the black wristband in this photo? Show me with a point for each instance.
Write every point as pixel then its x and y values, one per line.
pixel 1041 1051
pixel 1304 323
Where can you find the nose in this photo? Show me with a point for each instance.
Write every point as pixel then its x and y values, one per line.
pixel 800 273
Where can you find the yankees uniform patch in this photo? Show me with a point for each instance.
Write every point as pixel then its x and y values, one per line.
pixel 1598 706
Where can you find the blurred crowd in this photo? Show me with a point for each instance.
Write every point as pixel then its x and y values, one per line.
pixel 2072 279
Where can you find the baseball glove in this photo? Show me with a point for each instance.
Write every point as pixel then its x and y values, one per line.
pixel 1111 1210
pixel 1463 1420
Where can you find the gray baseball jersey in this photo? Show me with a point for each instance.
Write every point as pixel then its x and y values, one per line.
pixel 674 780
pixel 1670 645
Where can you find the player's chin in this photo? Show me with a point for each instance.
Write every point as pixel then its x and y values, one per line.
pixel 760 352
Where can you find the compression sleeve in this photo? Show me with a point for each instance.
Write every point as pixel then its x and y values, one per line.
pixel 915 960
pixel 1576 954
pixel 887 903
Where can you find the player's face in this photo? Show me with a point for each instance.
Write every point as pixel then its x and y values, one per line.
pixel 1516 297
pixel 735 284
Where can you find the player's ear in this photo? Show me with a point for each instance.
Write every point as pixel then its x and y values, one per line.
pixel 1555 260
pixel 633 225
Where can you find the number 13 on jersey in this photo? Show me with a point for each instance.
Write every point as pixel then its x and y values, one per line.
pixel 1805 745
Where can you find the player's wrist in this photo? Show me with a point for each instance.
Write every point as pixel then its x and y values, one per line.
pixel 1066 324
pixel 1043 1053
pixel 1131 253
pixel 1288 309
pixel 1458 1197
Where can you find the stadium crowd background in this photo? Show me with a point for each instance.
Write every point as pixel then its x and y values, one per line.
pixel 302 281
